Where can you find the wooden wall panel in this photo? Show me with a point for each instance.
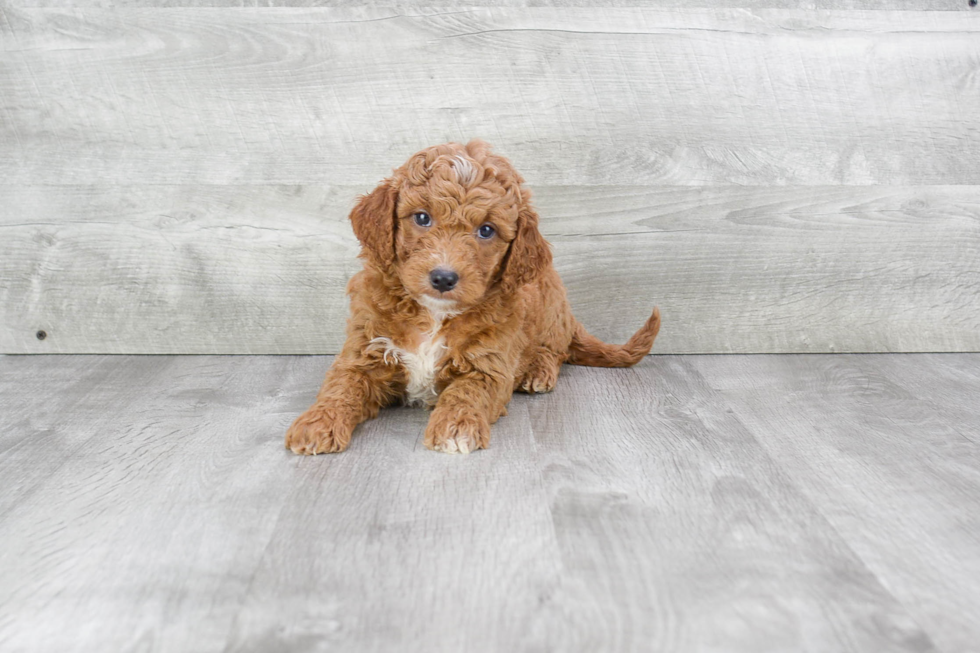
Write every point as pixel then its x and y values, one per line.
pixel 574 96
pixel 175 180
pixel 423 6
pixel 261 269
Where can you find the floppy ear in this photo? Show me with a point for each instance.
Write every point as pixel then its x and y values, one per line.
pixel 529 253
pixel 373 220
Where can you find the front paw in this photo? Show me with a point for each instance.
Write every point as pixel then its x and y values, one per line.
pixel 457 432
pixel 321 429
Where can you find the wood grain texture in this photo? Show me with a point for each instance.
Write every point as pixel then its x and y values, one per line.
pixel 177 476
pixel 422 6
pixel 889 456
pixel 778 180
pixel 681 505
pixel 395 548
pixel 185 270
pixel 262 269
pixel 678 530
pixel 952 389
pixel 35 398
pixel 573 95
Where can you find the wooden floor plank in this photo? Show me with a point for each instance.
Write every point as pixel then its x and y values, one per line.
pixel 949 385
pixel 145 536
pixel 678 530
pixel 392 547
pixel 895 476
pixel 688 504
pixel 53 405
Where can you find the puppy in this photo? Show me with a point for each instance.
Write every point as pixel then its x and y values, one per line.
pixel 457 306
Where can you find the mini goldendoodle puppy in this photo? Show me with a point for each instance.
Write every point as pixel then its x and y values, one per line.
pixel 457 307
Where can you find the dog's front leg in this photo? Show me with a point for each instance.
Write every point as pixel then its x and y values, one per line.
pixel 350 394
pixel 461 419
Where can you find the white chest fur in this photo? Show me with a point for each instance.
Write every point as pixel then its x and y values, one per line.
pixel 421 365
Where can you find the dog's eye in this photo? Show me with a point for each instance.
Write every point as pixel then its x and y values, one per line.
pixel 422 219
pixel 486 231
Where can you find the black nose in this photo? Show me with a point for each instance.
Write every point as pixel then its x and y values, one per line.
pixel 443 280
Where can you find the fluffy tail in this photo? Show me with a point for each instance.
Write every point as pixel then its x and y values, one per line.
pixel 586 349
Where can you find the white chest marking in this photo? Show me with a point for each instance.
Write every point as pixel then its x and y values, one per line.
pixel 422 365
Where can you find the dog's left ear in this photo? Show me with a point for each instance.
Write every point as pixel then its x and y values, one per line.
pixel 529 253
pixel 373 220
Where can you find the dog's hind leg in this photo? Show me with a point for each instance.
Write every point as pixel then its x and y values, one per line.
pixel 542 374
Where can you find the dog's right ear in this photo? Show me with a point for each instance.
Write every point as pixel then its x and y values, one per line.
pixel 373 220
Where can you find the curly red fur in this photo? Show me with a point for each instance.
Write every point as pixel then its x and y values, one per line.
pixel 506 325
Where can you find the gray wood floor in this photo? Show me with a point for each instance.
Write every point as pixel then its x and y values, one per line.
pixel 693 503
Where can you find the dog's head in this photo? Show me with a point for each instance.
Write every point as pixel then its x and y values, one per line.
pixel 453 224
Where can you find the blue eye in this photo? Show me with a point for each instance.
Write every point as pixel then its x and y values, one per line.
pixel 486 231
pixel 422 219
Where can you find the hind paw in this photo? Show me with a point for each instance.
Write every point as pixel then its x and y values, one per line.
pixel 540 378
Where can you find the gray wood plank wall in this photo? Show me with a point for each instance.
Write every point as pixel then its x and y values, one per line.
pixel 777 179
